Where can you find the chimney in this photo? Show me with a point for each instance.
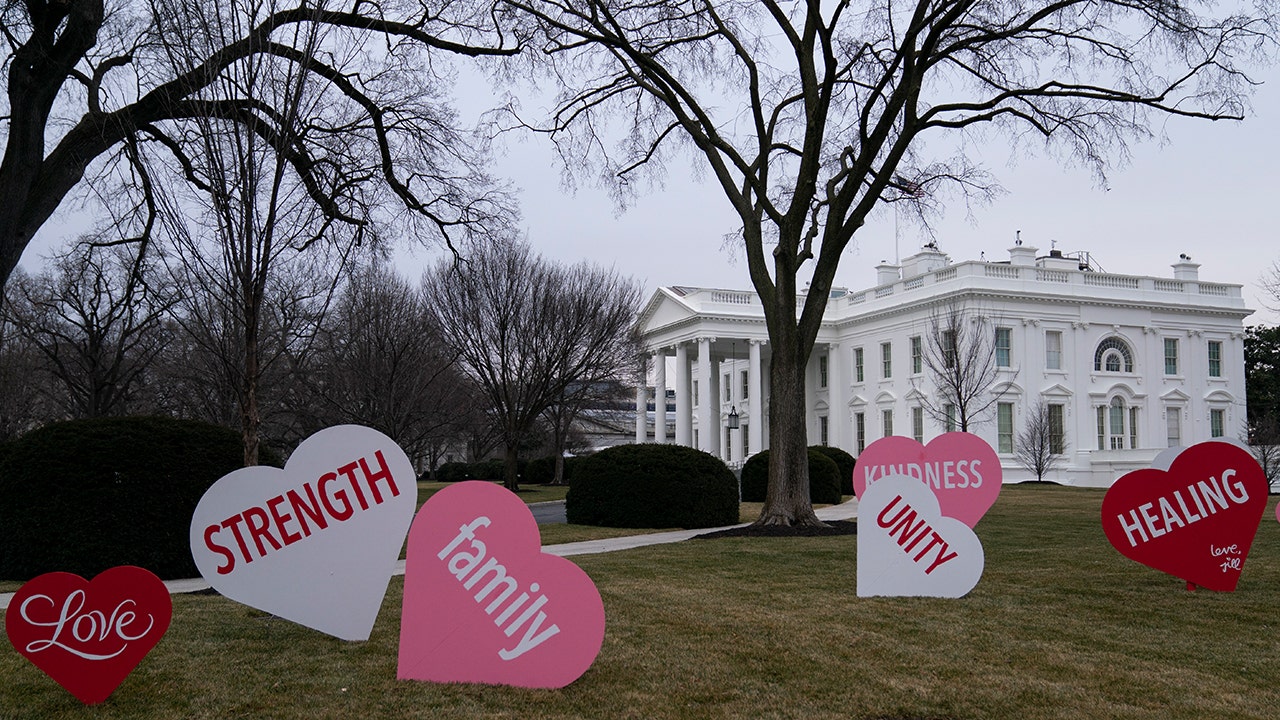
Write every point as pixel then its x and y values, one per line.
pixel 886 273
pixel 1184 269
pixel 1022 255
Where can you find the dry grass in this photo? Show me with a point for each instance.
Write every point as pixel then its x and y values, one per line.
pixel 1061 626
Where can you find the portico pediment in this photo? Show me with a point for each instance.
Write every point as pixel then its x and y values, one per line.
pixel 664 309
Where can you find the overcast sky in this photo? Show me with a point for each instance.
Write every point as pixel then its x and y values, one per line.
pixel 1209 190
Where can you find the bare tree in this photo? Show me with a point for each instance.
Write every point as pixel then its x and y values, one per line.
pixel 86 78
pixel 96 321
pixel 959 359
pixel 1040 445
pixel 809 115
pixel 22 392
pixel 528 331
pixel 1263 439
pixel 380 362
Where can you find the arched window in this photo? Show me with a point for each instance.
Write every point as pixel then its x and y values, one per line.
pixel 1113 355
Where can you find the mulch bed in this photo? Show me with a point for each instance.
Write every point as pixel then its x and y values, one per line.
pixel 837 527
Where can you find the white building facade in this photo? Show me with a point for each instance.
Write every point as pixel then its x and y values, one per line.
pixel 1128 365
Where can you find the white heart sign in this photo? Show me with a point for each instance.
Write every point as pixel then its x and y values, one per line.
pixel 907 548
pixel 317 542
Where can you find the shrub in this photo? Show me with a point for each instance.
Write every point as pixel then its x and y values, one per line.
pixel 86 495
pixel 487 470
pixel 542 471
pixel 844 461
pixel 824 478
pixel 652 486
pixel 453 472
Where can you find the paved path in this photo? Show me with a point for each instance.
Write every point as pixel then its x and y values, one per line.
pixel 548 513
pixel 844 511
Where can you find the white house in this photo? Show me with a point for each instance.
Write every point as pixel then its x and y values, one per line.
pixel 1129 365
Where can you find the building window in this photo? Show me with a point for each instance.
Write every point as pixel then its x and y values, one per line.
pixel 917 355
pixel 1113 355
pixel 1216 423
pixel 1057 429
pixel 728 388
pixel 1133 428
pixel 1004 346
pixel 948 341
pixel 917 424
pixel 1173 426
pixel 1102 427
pixel 1116 426
pixel 1004 427
pixel 695 439
pixel 1053 350
pixel 695 399
pixel 822 371
pixel 746 440
pixel 1170 356
pixel 857 365
pixel 949 410
pixel 746 385
pixel 860 431
pixel 886 360
pixel 1215 360
pixel 728 443
pixel 824 427
pixel 888 422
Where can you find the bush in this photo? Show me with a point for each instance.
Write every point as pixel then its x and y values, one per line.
pixel 487 470
pixel 542 471
pixel 844 461
pixel 453 472
pixel 824 478
pixel 86 495
pixel 652 486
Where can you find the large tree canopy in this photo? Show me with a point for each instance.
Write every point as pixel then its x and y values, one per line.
pixel 85 77
pixel 809 114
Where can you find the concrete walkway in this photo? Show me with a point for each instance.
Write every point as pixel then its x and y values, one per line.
pixel 845 511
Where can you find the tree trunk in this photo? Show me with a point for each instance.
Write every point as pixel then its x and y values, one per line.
pixel 511 479
pixel 787 500
pixel 557 478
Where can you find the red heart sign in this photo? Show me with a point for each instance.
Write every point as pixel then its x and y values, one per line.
pixel 89 635
pixel 1196 521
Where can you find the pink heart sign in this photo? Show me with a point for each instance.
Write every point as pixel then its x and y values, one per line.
pixel 315 543
pixel 906 548
pixel 960 468
pixel 89 635
pixel 1196 521
pixel 484 604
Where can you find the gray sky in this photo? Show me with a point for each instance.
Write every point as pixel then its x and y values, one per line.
pixel 1208 190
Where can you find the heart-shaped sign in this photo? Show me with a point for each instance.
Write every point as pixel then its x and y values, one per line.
pixel 907 548
pixel 317 542
pixel 484 604
pixel 89 635
pixel 1196 521
pixel 960 468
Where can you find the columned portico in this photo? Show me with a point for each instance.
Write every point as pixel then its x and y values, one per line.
pixel 708 418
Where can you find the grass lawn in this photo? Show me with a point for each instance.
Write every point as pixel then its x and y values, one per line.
pixel 528 493
pixel 1061 626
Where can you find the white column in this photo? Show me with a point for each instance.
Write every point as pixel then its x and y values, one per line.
pixel 755 400
pixel 837 398
pixel 660 395
pixel 641 396
pixel 684 401
pixel 735 395
pixel 717 411
pixel 708 427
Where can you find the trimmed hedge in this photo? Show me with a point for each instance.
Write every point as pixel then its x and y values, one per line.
pixel 824 478
pixel 453 472
pixel 652 486
pixel 844 461
pixel 542 471
pixel 86 495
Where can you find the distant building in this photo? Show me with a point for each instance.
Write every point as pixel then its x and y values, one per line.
pixel 1129 365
